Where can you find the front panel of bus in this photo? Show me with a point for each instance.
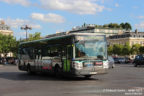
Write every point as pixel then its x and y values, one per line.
pixel 90 55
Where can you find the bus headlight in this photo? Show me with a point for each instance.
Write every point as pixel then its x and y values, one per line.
pixel 77 65
pixel 105 64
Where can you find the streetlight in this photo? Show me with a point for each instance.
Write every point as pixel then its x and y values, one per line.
pixel 26 27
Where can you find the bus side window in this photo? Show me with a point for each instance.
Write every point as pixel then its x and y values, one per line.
pixel 36 53
pixel 63 52
pixel 39 54
pixel 44 52
pixel 54 52
pixel 21 51
pixel 30 52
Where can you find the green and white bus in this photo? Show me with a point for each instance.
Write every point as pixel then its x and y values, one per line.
pixel 77 54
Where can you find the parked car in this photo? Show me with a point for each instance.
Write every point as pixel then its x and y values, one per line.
pixel 116 60
pixel 111 62
pixel 128 60
pixel 119 60
pixel 139 60
pixel 1 60
pixel 10 60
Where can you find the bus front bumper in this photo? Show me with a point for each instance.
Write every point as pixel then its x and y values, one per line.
pixel 90 71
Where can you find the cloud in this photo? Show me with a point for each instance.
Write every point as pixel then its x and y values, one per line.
pixel 50 17
pixel 141 17
pixel 140 25
pixel 20 34
pixel 21 2
pixel 116 5
pixel 17 23
pixel 74 6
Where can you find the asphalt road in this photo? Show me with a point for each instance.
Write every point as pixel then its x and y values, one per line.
pixel 124 80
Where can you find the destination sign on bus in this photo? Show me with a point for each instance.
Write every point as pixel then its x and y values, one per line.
pixel 97 38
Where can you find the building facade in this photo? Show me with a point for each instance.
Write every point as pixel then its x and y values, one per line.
pixel 99 30
pixel 5 29
pixel 90 28
pixel 130 37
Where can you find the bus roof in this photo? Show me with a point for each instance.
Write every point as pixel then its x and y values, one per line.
pixel 58 37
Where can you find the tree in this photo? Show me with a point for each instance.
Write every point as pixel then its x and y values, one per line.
pixel 113 25
pixel 126 49
pixel 14 48
pixel 141 49
pixel 135 49
pixel 125 26
pixel 34 36
pixel 105 25
pixel 128 26
pixel 1 36
pixel 8 43
pixel 110 50
pixel 117 49
pixel 122 25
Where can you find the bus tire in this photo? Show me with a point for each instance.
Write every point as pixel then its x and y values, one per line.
pixel 29 70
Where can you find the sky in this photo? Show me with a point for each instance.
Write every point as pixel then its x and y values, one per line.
pixel 51 16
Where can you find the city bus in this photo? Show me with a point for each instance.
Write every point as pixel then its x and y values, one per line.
pixel 77 54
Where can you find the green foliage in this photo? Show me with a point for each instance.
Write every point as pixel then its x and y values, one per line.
pixel 141 49
pixel 117 49
pixel 14 48
pixel 7 44
pixel 110 50
pixel 135 49
pixel 113 25
pixel 126 26
pixel 122 25
pixel 34 36
pixel 126 49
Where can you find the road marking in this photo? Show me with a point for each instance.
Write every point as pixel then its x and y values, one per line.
pixel 142 88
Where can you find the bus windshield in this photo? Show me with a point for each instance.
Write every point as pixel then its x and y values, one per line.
pixel 91 47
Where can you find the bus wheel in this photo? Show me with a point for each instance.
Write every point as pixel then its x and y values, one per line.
pixel 87 76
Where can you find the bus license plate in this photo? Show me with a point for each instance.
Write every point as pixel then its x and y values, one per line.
pixel 93 72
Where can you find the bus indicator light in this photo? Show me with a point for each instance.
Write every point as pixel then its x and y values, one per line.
pixel 98 63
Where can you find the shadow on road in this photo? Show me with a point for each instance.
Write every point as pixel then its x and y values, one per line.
pixel 22 76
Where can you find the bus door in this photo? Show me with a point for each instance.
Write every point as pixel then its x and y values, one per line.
pixel 67 58
pixel 38 60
